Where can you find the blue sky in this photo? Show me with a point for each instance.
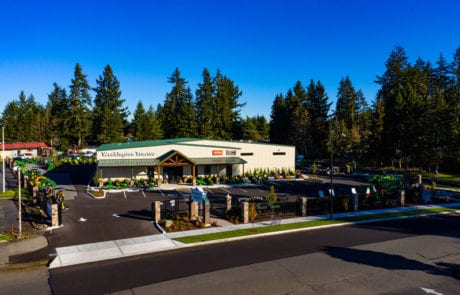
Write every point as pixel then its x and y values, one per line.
pixel 263 46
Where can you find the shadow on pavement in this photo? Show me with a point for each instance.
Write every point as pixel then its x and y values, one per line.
pixel 391 261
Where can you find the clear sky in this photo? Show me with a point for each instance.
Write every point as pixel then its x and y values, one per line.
pixel 264 46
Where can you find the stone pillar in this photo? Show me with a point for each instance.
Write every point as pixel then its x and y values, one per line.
pixel 228 203
pixel 54 215
pixel 303 206
pixel 35 192
pixel 245 212
pixel 156 211
pixel 355 198
pixel 402 198
pixel 194 210
pixel 207 214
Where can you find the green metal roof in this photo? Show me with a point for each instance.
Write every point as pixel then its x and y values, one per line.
pixel 127 162
pixel 218 160
pixel 179 141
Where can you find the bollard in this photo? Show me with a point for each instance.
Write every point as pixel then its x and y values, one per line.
pixel 303 206
pixel 228 203
pixel 402 198
pixel 194 210
pixel 206 215
pixel 156 211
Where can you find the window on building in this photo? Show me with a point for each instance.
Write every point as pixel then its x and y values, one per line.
pixel 229 171
pixel 279 153
pixel 207 170
pixel 247 154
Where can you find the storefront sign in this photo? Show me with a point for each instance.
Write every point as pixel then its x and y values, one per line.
pixel 230 152
pixel 125 155
pixel 217 152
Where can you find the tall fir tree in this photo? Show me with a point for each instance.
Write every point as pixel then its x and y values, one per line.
pixel 318 107
pixel 205 106
pixel 138 122
pixel 57 109
pixel 109 114
pixel 227 108
pixel 79 109
pixel 279 121
pixel 177 114
pixel 152 126
pixel 392 83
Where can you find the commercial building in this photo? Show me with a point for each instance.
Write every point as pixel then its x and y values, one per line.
pixel 176 159
pixel 20 148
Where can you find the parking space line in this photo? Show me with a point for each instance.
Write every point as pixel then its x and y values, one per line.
pixel 243 190
pixel 223 188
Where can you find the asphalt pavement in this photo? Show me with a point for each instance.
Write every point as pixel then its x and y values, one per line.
pixel 93 252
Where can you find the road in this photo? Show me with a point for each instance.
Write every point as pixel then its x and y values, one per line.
pixel 413 256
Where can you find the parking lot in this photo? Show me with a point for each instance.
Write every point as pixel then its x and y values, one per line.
pixel 123 215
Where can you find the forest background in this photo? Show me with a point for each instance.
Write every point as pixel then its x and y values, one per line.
pixel 412 122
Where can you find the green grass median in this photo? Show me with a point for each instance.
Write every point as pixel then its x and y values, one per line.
pixel 304 224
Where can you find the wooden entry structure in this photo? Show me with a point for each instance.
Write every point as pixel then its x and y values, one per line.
pixel 175 158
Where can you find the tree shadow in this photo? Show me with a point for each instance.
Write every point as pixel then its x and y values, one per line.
pixel 392 261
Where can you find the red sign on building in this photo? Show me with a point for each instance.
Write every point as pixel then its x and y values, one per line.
pixel 217 152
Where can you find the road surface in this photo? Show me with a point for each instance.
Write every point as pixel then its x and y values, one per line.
pixel 413 256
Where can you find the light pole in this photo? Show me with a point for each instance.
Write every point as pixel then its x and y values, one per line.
pixel 19 203
pixel 3 157
pixel 331 192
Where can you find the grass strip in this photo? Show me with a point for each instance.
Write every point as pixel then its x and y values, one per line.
pixel 4 236
pixel 303 224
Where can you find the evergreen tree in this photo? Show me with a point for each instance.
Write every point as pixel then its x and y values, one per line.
pixel 376 139
pixel 346 103
pixel 299 118
pixel 152 125
pixel 57 110
pixel 392 83
pixel 79 108
pixel 279 121
pixel 318 107
pixel 10 119
pixel 227 108
pixel 205 106
pixel 255 128
pixel 139 121
pixel 109 115
pixel 23 120
pixel 177 114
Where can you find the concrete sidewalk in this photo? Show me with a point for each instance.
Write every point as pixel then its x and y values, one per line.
pixel 93 252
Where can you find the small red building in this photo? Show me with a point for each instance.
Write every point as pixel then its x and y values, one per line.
pixel 19 148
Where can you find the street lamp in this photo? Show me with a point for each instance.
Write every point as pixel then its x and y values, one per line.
pixel 331 192
pixel 3 157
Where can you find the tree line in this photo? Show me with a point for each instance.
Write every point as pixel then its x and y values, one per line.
pixel 412 121
pixel 71 118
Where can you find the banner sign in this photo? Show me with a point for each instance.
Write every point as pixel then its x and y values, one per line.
pixel 217 152
pixel 230 152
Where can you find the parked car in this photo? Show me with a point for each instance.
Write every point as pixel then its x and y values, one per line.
pixel 88 154
pixel 26 156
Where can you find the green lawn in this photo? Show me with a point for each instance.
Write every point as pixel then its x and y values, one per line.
pixel 449 177
pixel 304 224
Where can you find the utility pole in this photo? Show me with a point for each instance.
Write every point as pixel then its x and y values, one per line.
pixel 3 156
pixel 19 203
pixel 331 193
